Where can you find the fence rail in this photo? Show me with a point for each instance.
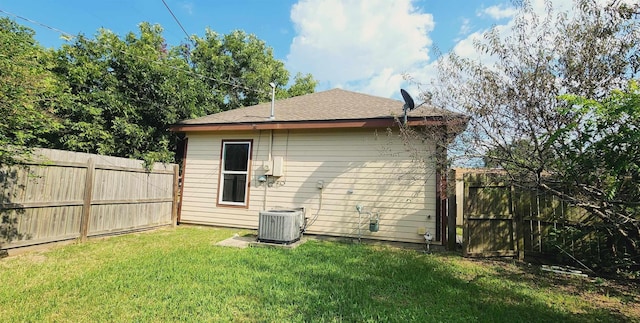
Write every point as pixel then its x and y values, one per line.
pixel 61 195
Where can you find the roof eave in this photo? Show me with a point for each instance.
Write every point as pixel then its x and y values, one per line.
pixel 320 124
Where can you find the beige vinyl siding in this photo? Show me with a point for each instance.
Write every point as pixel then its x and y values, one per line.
pixel 370 167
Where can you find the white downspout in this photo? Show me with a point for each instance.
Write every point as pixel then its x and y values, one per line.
pixel 270 146
pixel 270 156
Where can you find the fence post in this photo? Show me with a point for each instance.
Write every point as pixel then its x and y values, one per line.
pixel 451 211
pixel 174 204
pixel 87 199
pixel 466 226
pixel 518 218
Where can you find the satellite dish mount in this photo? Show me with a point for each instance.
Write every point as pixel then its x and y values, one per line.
pixel 409 104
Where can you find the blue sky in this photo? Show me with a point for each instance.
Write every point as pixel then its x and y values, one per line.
pixel 359 45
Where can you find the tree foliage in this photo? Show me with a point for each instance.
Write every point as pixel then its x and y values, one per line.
pixel 239 67
pixel 117 95
pixel 124 93
pixel 302 84
pixel 27 92
pixel 552 104
pixel 598 155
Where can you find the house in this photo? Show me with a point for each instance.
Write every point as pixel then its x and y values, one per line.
pixel 331 153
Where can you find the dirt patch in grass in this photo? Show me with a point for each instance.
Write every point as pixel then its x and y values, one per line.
pixel 615 295
pixel 36 258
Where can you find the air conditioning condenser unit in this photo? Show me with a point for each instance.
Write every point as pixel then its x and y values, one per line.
pixel 280 226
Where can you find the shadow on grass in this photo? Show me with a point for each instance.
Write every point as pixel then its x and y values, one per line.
pixel 357 283
pixel 181 275
pixel 623 292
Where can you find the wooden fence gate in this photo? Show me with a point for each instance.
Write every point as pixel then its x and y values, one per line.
pixel 490 225
pixel 499 220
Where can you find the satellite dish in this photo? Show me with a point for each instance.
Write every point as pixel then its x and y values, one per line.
pixel 408 103
pixel 408 100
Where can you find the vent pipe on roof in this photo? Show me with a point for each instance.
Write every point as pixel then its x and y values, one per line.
pixel 273 101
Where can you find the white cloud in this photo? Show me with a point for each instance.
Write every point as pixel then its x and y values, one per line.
pixel 465 27
pixel 464 47
pixel 368 45
pixel 364 45
pixel 498 12
pixel 188 7
pixel 386 83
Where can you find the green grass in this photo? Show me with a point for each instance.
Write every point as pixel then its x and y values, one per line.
pixel 180 275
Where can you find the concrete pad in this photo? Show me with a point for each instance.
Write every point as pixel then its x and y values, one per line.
pixel 237 241
pixel 278 245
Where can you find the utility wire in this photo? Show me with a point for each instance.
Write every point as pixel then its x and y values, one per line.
pixel 68 36
pixel 176 19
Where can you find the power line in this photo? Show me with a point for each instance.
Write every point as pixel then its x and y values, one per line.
pixel 176 19
pixel 235 85
pixel 66 35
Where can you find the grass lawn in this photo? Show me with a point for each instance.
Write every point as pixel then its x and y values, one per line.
pixel 180 275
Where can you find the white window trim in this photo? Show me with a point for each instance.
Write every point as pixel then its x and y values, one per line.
pixel 223 172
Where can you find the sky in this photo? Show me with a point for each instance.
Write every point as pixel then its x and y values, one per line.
pixel 366 46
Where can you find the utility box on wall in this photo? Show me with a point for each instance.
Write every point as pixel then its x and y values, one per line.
pixel 278 167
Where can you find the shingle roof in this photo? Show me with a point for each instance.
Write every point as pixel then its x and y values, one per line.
pixel 331 105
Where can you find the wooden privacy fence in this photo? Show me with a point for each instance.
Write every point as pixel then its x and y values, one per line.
pixel 500 220
pixel 62 195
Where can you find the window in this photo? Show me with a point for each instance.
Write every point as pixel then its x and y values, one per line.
pixel 234 174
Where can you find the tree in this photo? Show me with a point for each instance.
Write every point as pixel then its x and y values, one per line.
pixel 598 154
pixel 239 67
pixel 27 93
pixel 302 84
pixel 27 102
pixel 125 93
pixel 523 121
pixel 118 96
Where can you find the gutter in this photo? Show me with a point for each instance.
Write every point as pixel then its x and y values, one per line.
pixel 321 124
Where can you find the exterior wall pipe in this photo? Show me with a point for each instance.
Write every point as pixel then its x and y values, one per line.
pixel 273 101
